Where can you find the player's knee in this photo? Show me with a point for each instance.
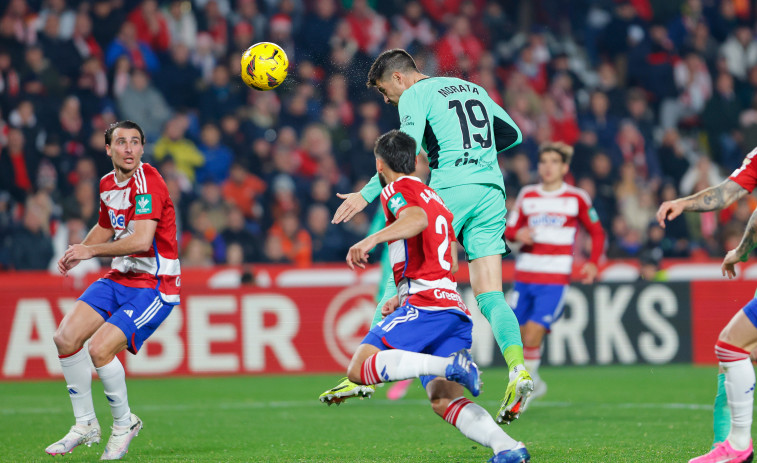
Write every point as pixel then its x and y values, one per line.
pixel 99 353
pixel 65 342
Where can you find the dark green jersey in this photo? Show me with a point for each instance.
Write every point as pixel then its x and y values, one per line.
pixel 461 128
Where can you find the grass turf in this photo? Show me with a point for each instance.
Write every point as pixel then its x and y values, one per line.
pixel 591 414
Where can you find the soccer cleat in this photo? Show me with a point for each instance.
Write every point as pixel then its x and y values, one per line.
pixel 464 370
pixel 78 434
pixel 346 389
pixel 120 438
pixel 399 389
pixel 519 454
pixel 724 453
pixel 540 390
pixel 518 391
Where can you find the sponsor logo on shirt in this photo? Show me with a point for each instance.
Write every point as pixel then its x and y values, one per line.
pixel 144 204
pixel 547 220
pixel 116 221
pixel 406 121
pixel 396 202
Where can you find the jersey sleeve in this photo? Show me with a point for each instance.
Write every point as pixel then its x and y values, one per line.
pixel 397 198
pixel 746 175
pixel 590 220
pixel 413 117
pixel 103 219
pixel 150 197
pixel 516 220
pixel 506 132
pixel 371 189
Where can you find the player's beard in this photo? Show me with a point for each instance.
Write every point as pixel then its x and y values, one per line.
pixel 382 180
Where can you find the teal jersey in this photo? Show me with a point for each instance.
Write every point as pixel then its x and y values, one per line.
pixel 460 127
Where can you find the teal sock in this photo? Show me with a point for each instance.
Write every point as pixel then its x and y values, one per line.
pixel 504 325
pixel 721 414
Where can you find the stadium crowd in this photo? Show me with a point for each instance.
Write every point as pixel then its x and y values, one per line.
pixel 659 98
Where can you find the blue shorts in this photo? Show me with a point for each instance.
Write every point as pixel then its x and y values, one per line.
pixel 539 303
pixel 751 311
pixel 136 311
pixel 434 332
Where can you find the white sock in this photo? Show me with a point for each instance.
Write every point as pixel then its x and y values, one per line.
pixel 739 387
pixel 113 377
pixel 532 357
pixel 78 376
pixel 477 425
pixel 395 364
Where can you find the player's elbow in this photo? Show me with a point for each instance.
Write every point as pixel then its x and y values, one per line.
pixel 143 244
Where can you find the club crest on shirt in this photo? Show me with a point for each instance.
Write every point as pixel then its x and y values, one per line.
pixel 144 204
pixel 396 202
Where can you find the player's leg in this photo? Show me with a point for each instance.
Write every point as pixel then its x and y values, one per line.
pixel 140 314
pixel 473 421
pixel 734 344
pixel 721 414
pixel 409 331
pixel 74 330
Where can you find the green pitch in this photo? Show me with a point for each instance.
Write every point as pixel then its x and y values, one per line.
pixel 591 414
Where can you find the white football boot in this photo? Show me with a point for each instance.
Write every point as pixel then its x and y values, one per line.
pixel 78 434
pixel 120 438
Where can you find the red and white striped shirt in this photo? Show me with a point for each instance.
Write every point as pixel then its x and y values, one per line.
pixel 422 265
pixel 144 196
pixel 553 217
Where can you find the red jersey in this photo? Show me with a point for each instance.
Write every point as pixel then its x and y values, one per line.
pixel 143 196
pixel 553 217
pixel 746 175
pixel 422 265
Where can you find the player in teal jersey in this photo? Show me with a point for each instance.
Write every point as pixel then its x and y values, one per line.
pixel 462 130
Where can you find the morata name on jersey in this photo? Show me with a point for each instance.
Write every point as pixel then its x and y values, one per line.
pixel 447 91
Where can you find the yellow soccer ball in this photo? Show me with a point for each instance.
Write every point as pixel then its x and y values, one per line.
pixel 264 66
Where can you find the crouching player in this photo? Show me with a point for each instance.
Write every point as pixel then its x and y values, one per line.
pixel 120 311
pixel 545 222
pixel 426 332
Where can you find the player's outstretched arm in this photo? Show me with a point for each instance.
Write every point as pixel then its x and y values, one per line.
pixel 710 199
pixel 139 241
pixel 353 203
pixel 741 252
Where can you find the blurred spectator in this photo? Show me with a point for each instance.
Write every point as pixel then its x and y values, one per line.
pixel 180 149
pixel 599 120
pixel 414 28
pixel 17 168
pixel 39 78
pixel 182 25
pixel 32 246
pixel 197 253
pixel 59 50
pixel 107 19
pixel 672 156
pixel 71 232
pixel 317 28
pixel 218 157
pixel 649 265
pixel 65 18
pixel 214 23
pixel 460 42
pixel 368 27
pixel 178 79
pixel 329 245
pixel 150 25
pixel 740 51
pixel 142 103
pixel 243 189
pixel 237 233
pixel 630 147
pixel 83 204
pixel 695 85
pixel 295 241
pixel 721 120
pixel 220 98
pixel 140 55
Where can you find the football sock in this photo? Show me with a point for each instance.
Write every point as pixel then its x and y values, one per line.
pixel 739 387
pixel 504 326
pixel 78 375
pixel 532 357
pixel 395 364
pixel 477 425
pixel 721 414
pixel 114 382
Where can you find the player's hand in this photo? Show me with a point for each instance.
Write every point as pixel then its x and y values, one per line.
pixel 390 306
pixel 353 203
pixel 357 256
pixel 589 273
pixel 74 254
pixel 525 236
pixel 729 263
pixel 64 267
pixel 669 210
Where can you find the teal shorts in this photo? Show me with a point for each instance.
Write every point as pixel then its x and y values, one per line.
pixel 479 218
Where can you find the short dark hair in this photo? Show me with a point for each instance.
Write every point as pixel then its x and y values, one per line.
pixel 563 149
pixel 396 59
pixel 397 150
pixel 125 124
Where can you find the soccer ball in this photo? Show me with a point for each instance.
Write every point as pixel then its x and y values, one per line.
pixel 264 66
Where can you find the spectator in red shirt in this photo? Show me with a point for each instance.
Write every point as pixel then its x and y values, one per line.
pixel 458 42
pixel 151 26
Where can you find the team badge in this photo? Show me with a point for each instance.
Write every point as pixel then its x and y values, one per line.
pixel 396 202
pixel 144 204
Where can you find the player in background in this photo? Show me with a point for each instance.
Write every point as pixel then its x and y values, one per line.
pixel 732 444
pixel 427 329
pixel 121 310
pixel 545 221
pixel 462 130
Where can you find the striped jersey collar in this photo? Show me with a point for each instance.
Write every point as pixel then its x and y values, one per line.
pixel 123 184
